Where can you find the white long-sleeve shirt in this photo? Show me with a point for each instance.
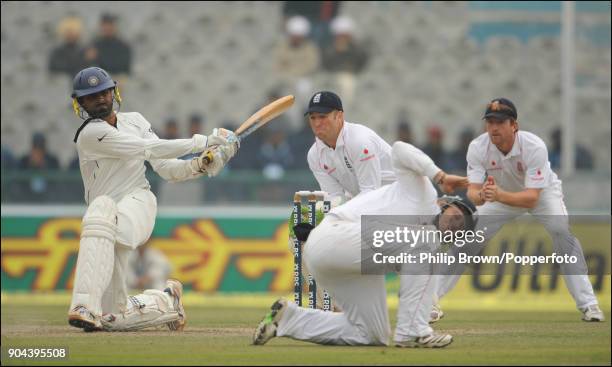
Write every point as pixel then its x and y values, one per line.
pixel 111 158
pixel 361 162
pixel 412 193
pixel 526 166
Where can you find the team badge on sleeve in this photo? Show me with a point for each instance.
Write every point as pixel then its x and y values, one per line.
pixel 535 174
pixel 366 154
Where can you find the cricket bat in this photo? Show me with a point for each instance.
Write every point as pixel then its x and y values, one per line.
pixel 259 119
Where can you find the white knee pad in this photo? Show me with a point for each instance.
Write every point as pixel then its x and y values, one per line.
pixel 96 254
pixel 153 308
pixel 100 220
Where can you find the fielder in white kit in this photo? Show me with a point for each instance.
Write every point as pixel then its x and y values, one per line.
pixel 112 147
pixel 333 254
pixel 346 158
pixel 510 175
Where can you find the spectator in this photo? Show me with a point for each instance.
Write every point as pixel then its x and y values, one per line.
pixel 344 56
pixel 583 158
pixel 250 148
pixel 195 127
pixel 148 268
pixel 247 159
pixel 171 130
pixel 296 59
pixel 108 51
pixel 404 132
pixel 36 188
pixel 69 57
pixel 404 129
pixel 275 153
pixel 195 124
pixel 318 13
pixel 38 158
pixel 457 159
pixel 301 141
pixel 434 147
pixel 8 160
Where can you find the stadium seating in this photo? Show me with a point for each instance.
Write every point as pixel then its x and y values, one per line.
pixel 440 62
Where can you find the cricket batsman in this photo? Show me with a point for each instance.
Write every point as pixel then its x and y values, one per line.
pixel 509 176
pixel 112 147
pixel 333 255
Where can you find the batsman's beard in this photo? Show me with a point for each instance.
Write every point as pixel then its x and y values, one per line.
pixel 101 112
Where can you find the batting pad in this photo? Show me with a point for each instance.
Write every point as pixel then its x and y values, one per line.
pixel 94 267
pixel 153 308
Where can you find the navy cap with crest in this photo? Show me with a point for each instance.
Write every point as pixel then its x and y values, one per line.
pixel 324 102
pixel 500 108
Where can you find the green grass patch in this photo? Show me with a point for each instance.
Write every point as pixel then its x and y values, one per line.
pixel 222 336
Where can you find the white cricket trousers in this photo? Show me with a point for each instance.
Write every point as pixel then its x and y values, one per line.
pixel 136 214
pixel 333 256
pixel 551 213
pixel 135 221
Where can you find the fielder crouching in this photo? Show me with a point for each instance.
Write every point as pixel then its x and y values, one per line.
pixel 112 147
pixel 333 255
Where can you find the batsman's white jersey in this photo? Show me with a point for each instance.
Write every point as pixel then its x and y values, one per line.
pixel 121 212
pixel 526 166
pixel 112 158
pixel 333 255
pixel 361 162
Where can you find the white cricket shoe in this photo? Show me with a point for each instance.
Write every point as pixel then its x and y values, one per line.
pixel 592 313
pixel 175 289
pixel 430 341
pixel 266 329
pixel 436 313
pixel 82 318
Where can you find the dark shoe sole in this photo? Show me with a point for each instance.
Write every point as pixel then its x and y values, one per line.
pixel 86 326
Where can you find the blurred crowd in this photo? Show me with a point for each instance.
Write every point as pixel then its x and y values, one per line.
pixel 316 38
pixel 106 50
pixel 273 152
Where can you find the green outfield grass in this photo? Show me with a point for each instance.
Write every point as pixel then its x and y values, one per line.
pixel 222 335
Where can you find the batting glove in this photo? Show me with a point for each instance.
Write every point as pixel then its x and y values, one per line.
pixel 222 137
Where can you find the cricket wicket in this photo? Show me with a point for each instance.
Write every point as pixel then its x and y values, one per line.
pixel 313 197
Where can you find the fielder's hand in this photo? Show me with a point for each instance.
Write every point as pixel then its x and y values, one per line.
pixel 490 191
pixel 449 183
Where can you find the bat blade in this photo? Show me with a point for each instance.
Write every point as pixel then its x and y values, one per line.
pixel 259 118
pixel 264 115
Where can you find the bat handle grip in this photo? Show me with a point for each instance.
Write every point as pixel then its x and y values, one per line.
pixel 208 157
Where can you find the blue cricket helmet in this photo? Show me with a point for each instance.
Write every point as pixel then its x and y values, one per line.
pixel 90 81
